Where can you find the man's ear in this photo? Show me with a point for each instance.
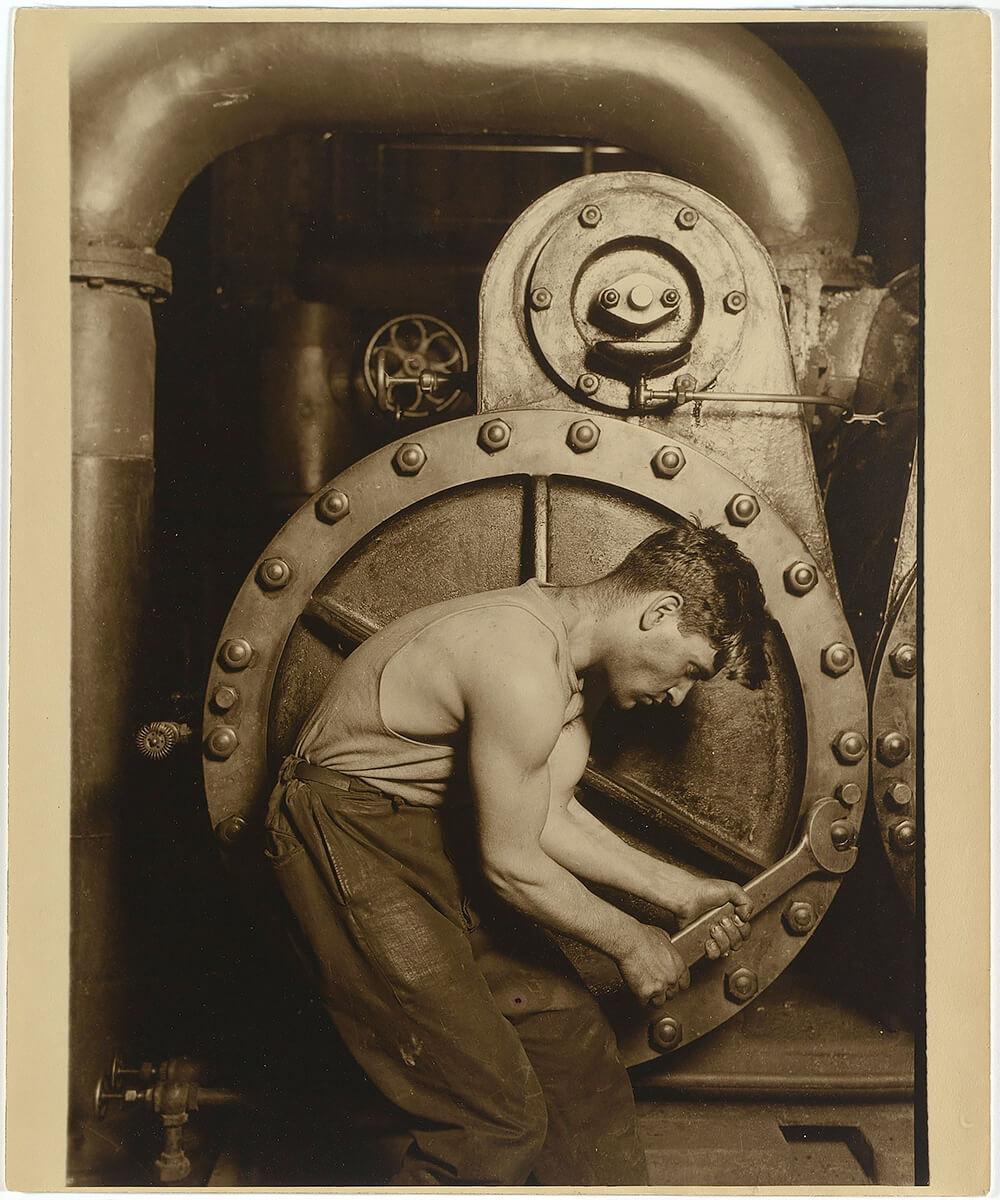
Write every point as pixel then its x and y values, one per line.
pixel 658 608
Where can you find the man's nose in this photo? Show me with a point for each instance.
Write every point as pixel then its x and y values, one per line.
pixel 677 693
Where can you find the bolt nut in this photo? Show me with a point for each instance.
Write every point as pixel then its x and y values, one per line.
pixel 686 383
pixel 332 506
pixel 800 578
pixel 236 654
pixel 609 297
pixel 273 573
pixel 230 829
pixel 541 299
pixel 843 835
pixel 849 793
pixel 799 917
pixel 668 461
pixel 837 659
pixel 666 1034
pixel 742 509
pixel 493 436
pixel 735 302
pixel 687 218
pixel 224 697
pixel 221 742
pixel 850 746
pixel 588 384
pixel 904 660
pixel 590 216
pixel 670 297
pixel 892 748
pixel 898 795
pixel 903 836
pixel 741 985
pixel 409 458
pixel 582 436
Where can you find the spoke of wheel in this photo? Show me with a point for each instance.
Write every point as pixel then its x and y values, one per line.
pixel 346 625
pixel 537 527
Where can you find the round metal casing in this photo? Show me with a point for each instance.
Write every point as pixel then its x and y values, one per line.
pixel 539 460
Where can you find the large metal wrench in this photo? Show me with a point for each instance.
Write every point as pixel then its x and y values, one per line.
pixel 827 846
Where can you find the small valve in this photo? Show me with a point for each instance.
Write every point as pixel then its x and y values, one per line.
pixel 156 739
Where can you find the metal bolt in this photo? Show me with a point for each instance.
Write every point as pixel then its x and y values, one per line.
pixel 666 1033
pixel 590 216
pixel 892 748
pixel 670 297
pixel 273 573
pixel 850 746
pixel 609 297
pixel 849 793
pixel 582 436
pixel 409 458
pixel 332 506
pixel 799 917
pixel 741 985
pixel 95 282
pixel 735 302
pixel 842 834
pixel 236 654
pixel 837 659
pixel 224 697
pixel 640 297
pixel 230 829
pixel 800 578
pixel 899 795
pixel 686 383
pixel 904 660
pixel 668 461
pixel 221 742
pixel 903 835
pixel 742 509
pixel 687 218
pixel 588 384
pixel 541 298
pixel 494 436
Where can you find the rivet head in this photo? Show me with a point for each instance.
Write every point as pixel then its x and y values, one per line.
pixel 666 1034
pixel 903 835
pixel 221 742
pixel 742 509
pixel 735 302
pixel 799 917
pixel 850 746
pixel 892 748
pixel 224 697
pixel 898 795
pixel 610 297
pixel 687 218
pixel 640 297
pixel 842 834
pixel 904 660
pixel 849 793
pixel 333 506
pixel 582 436
pixel 837 659
pixel 541 299
pixel 588 384
pixel 273 573
pixel 668 461
pixel 409 458
pixel 493 436
pixel 741 985
pixel 800 578
pixel 236 654
pixel 590 216
pixel 230 829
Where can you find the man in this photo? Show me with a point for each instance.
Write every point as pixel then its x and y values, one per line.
pixel 426 826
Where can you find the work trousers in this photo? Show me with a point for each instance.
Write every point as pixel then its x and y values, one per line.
pixel 462 1012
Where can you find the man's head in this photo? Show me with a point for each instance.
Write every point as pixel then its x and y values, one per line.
pixel 684 605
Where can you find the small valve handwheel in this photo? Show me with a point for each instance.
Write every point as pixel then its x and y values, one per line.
pixel 408 367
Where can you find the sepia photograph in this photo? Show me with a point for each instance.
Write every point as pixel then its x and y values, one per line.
pixel 496 713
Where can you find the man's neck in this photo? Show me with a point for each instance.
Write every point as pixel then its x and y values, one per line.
pixel 583 617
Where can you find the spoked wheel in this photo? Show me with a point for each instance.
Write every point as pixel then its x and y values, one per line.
pixel 409 365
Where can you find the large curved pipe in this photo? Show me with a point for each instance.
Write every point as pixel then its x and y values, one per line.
pixel 154 104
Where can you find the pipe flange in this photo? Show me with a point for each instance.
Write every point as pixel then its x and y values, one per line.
pixel 145 271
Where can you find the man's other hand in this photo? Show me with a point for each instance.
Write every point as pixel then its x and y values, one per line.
pixel 731 932
pixel 652 968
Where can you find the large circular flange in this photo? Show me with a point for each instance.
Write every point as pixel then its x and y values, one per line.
pixel 639 235
pixel 895 740
pixel 622 457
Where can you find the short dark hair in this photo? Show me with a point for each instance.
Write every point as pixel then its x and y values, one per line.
pixel 723 599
